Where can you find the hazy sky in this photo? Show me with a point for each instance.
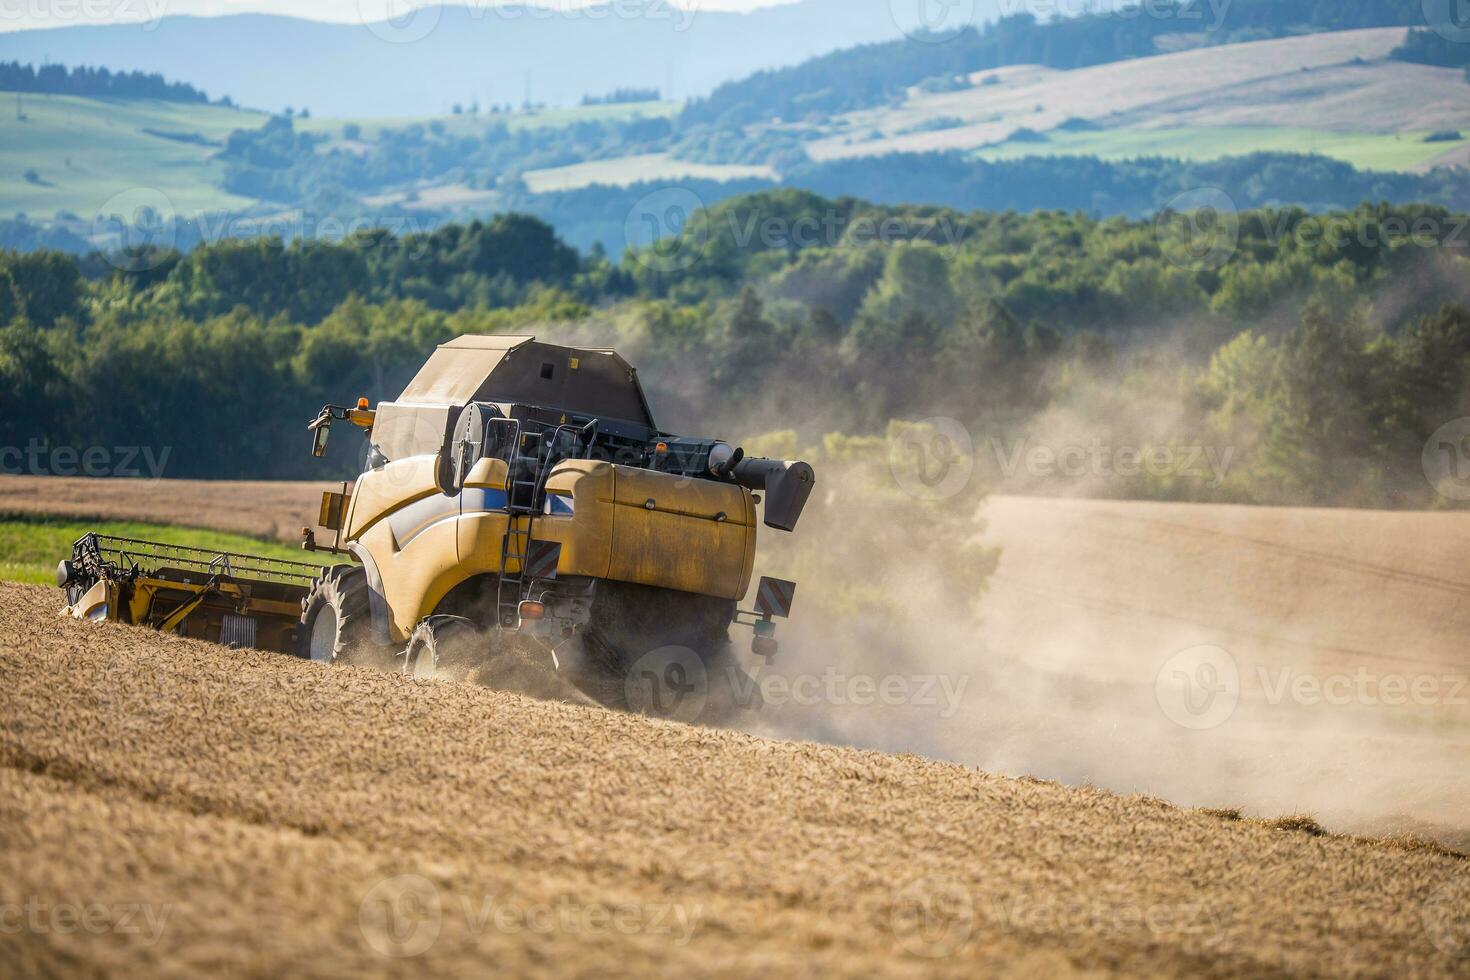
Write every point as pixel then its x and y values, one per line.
pixel 18 15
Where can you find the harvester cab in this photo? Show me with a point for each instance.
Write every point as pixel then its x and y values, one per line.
pixel 519 490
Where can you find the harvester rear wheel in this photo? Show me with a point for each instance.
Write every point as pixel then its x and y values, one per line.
pixel 635 628
pixel 336 621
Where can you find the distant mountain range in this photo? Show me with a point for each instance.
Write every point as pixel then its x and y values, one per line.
pixel 491 54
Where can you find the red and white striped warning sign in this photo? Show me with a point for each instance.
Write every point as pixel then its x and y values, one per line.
pixel 542 557
pixel 774 597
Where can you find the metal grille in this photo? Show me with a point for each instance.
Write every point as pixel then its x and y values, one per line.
pixel 238 631
pixel 128 554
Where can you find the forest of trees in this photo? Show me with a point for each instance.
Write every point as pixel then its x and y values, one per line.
pixel 1319 353
pixel 1427 47
pixel 95 83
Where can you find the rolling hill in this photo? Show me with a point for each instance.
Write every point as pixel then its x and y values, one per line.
pixel 1335 93
pixel 85 152
pixel 492 54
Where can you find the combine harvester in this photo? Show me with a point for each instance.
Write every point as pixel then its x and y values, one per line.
pixel 518 505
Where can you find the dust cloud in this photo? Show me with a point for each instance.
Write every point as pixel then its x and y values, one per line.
pixel 1213 656
pixel 1277 660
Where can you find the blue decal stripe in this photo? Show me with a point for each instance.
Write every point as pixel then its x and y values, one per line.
pixel 482 499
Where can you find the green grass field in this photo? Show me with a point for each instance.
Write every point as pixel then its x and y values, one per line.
pixel 1367 151
pixel 31 547
pixel 87 151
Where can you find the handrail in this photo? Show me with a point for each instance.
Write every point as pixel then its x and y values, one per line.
pixel 135 552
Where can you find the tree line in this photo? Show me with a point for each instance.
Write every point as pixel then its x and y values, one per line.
pixel 1320 351
pixel 96 83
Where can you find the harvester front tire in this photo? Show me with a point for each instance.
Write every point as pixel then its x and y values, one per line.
pixel 448 647
pixel 336 622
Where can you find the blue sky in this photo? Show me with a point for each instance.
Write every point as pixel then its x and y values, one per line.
pixel 18 15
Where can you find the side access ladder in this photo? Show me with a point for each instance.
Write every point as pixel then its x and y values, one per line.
pixel 532 457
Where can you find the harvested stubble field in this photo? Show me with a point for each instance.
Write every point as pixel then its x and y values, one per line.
pixel 259 509
pixel 248 813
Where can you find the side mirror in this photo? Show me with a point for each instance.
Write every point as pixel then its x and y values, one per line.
pixel 461 450
pixel 319 437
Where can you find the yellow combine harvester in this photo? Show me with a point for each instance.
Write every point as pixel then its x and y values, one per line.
pixel 518 501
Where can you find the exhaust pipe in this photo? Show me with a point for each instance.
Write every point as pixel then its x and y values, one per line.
pixel 787 485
